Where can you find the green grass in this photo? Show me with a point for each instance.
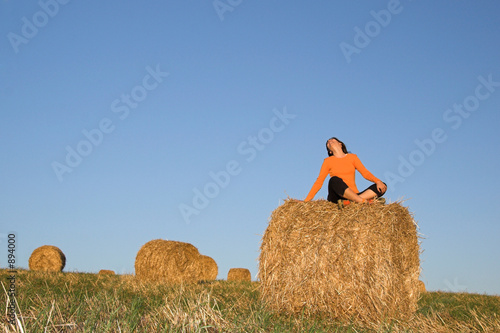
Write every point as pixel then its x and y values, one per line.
pixel 82 302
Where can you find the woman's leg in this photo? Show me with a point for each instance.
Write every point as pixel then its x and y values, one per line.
pixel 353 196
pixel 368 194
pixel 371 192
pixel 338 190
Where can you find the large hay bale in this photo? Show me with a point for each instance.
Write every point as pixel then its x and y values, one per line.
pixel 106 272
pixel 47 258
pixel 168 261
pixel 359 263
pixel 209 269
pixel 239 274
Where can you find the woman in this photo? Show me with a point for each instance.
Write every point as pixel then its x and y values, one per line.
pixel 342 167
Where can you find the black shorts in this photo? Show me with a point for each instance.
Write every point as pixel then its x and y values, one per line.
pixel 337 187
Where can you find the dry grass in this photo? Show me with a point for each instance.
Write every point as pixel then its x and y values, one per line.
pixel 357 264
pixel 80 302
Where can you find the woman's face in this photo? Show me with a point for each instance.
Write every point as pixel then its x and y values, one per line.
pixel 334 143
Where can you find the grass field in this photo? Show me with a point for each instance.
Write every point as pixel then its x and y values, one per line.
pixel 83 302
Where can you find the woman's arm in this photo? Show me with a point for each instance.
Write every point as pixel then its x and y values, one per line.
pixel 368 175
pixel 319 181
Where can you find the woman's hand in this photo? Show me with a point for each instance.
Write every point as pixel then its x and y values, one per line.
pixel 381 187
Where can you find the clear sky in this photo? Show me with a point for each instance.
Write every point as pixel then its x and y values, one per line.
pixel 127 121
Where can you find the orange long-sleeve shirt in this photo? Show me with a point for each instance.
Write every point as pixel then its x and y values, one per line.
pixel 344 168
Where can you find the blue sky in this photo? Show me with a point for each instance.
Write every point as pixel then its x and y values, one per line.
pixel 116 116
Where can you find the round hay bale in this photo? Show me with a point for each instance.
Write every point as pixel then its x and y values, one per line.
pixel 239 274
pixel 209 269
pixel 421 287
pixel 47 258
pixel 168 261
pixel 359 263
pixel 106 272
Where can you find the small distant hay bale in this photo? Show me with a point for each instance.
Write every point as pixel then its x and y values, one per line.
pixel 209 269
pixel 106 272
pixel 360 263
pixel 239 274
pixel 47 258
pixel 168 261
pixel 421 287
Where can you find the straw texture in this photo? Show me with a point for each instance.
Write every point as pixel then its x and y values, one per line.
pixel 239 274
pixel 359 263
pixel 209 269
pixel 106 272
pixel 168 261
pixel 421 287
pixel 47 258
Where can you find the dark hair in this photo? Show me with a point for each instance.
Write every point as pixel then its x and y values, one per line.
pixel 330 153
